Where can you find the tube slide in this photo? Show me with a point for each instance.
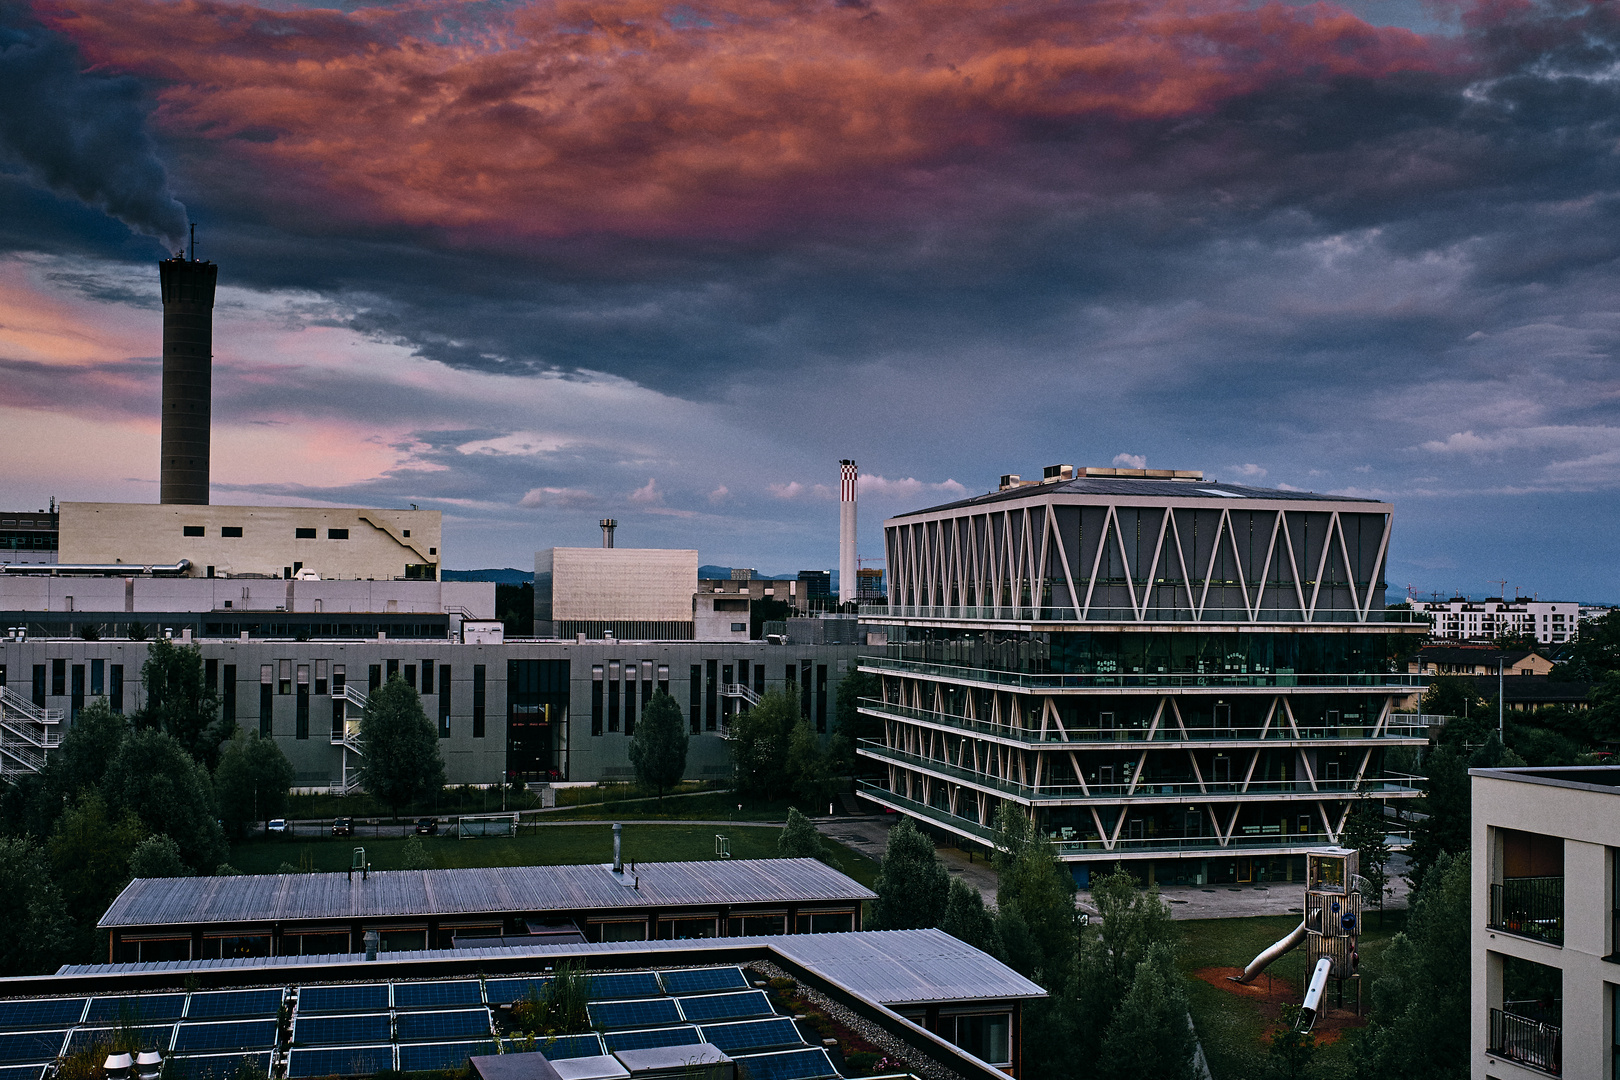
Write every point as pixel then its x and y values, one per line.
pixel 1313 996
pixel 1271 953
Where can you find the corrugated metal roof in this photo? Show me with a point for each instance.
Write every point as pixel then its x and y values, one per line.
pixel 436 893
pixel 892 967
pixel 1215 493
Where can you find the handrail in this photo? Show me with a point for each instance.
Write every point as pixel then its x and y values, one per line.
pixel 10 699
pixel 742 691
pixel 1278 731
pixel 1526 1041
pixel 1185 681
pixel 1098 613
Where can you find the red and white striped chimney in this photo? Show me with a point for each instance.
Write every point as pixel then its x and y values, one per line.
pixel 847 584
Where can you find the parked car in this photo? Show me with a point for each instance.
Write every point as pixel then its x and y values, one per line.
pixel 277 825
pixel 343 827
pixel 427 826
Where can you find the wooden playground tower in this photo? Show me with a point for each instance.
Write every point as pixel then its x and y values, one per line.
pixel 1333 916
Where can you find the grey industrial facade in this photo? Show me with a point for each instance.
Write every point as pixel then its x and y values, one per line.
pixel 1197 678
pixel 521 710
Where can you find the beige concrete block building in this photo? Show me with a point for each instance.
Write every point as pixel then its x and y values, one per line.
pixel 1545 970
pixel 260 541
pixel 628 592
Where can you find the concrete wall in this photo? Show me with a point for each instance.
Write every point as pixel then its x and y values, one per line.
pixel 1588 821
pixel 146 594
pixel 614 584
pixel 377 544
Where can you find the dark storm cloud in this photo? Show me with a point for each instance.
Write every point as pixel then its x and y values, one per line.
pixel 80 134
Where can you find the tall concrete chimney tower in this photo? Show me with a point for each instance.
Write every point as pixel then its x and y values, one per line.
pixel 847 584
pixel 188 377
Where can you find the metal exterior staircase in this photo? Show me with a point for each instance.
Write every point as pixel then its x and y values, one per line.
pixel 348 738
pixel 740 690
pixel 26 733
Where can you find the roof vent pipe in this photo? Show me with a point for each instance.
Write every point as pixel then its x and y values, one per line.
pixel 618 841
pixel 608 525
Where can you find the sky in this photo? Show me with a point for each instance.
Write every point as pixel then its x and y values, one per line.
pixel 535 263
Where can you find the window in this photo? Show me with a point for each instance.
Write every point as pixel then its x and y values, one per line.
pixel 711 704
pixel 231 532
pixel 98 677
pixel 757 926
pixel 630 699
pixel 427 677
pixel 824 922
pixel 210 674
pixel 739 628
pixel 613 695
pixel 191 530
pixel 302 730
pixel 619 930
pixel 304 534
pixel 410 676
pixel 596 699
pixel 320 678
pixel 266 700
pixel 58 678
pixel 227 697
pixel 987 1036
pixel 478 701
pixel 77 703
pixel 337 534
pixel 684 929
pixel 39 686
pixel 444 701
pixel 284 676
pixel 407 534
pixel 821 697
pixel 393 668
pixel 374 678
pixel 695 697
pixel 663 678
pixel 115 689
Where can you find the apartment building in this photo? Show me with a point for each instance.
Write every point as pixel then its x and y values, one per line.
pixel 1459 619
pixel 1194 678
pixel 1545 917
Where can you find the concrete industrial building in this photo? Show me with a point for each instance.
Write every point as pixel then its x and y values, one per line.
pixel 625 592
pixel 1191 677
pixel 255 541
pixel 28 537
pixel 1545 911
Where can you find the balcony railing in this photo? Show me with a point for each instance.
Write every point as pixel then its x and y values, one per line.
pixel 1168 731
pixel 1530 907
pixel 1393 784
pixel 1100 614
pixel 1239 681
pixel 1526 1041
pixel 1262 838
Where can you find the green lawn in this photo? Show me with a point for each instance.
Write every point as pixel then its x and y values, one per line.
pixel 1231 1028
pixel 593 804
pixel 543 846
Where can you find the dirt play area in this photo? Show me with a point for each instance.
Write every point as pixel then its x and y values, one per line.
pixel 1270 994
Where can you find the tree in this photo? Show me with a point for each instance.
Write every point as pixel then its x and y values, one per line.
pixel 809 766
pixel 1594 652
pixel 759 745
pixel 34 938
pixel 1036 915
pixel 1133 921
pixel 178 701
pixel 800 840
pixel 658 748
pixel 1451 696
pixel 1149 1033
pixel 89 746
pixel 251 781
pixel 1420 1009
pixel 514 606
pixel 158 857
pixel 416 855
pixel 911 885
pixel 1446 826
pixel 1292 1051
pixel 1603 719
pixel 1364 831
pixel 89 857
pixel 399 760
pixel 154 778
pixel 967 920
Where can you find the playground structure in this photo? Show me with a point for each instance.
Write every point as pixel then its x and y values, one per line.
pixel 1329 930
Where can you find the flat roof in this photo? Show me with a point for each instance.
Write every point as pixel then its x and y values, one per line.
pixel 1604 778
pixel 1216 493
pixel 437 893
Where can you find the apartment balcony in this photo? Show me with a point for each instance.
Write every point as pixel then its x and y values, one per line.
pixel 1277 733
pixel 1026 614
pixel 1526 1041
pixel 1130 682
pixel 1531 907
pixel 1249 839
pixel 1392 785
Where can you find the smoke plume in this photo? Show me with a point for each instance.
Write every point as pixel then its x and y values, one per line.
pixel 79 133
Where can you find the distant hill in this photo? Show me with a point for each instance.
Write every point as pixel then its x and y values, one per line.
pixel 506 576
pixel 708 572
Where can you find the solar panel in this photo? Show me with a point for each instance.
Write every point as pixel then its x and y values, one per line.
pixel 213 1066
pixel 753 1034
pixel 626 984
pixel 433 1057
pixel 232 1035
pixel 625 1014
pixel 221 1003
pixel 342 1030
pixel 436 995
pixel 22 1072
pixel 789 1065
pixel 443 1026
pixel 506 991
pixel 157 1036
pixel 569 1046
pixel 703 980
pixel 344 999
pixel 55 1012
pixel 641 1040
pixel 30 1046
pixel 135 1008
pixel 343 1061
pixel 726 1006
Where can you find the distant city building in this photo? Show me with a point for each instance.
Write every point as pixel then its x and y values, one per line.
pixel 1545 922
pixel 869 586
pixel 1458 619
pixel 253 541
pixel 815 590
pixel 28 536
pixel 643 593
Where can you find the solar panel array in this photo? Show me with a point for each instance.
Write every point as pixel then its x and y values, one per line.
pixel 364 1028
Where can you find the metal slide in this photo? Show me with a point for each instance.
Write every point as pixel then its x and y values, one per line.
pixel 1271 953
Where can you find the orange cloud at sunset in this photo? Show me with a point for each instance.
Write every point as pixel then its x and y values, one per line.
pixel 558 119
